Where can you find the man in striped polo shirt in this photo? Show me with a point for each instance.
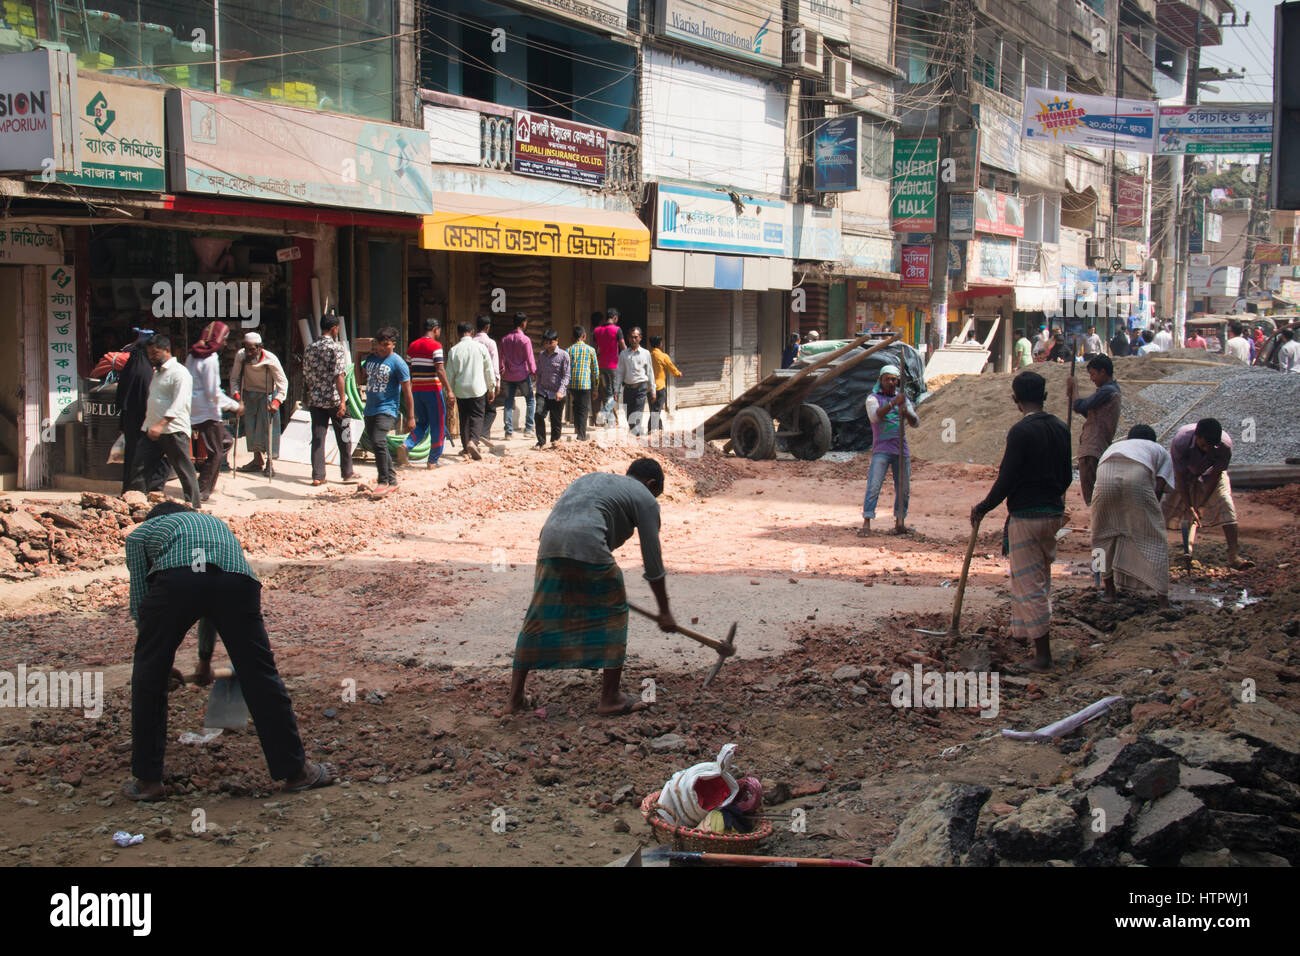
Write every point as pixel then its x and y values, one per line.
pixel 185 565
pixel 429 388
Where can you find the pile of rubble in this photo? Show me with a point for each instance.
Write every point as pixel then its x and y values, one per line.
pixel 1167 797
pixel 41 537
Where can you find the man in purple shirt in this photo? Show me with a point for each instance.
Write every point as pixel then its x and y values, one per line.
pixel 1202 492
pixel 517 370
pixel 552 382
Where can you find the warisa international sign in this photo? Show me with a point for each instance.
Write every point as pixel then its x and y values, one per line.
pixel 749 29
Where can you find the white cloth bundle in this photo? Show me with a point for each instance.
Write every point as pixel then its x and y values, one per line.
pixel 680 803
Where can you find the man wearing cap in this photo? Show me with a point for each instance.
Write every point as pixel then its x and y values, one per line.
pixel 552 381
pixel 258 381
pixel 888 448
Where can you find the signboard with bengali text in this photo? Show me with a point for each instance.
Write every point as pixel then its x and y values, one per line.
pixel 559 149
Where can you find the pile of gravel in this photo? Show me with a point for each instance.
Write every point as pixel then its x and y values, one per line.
pixel 1245 397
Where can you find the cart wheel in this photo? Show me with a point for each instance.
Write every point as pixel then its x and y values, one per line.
pixel 753 435
pixel 814 438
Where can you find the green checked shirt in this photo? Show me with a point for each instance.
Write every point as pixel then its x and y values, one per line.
pixel 187 539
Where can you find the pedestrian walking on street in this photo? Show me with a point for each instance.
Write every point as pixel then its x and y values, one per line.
pixel 1032 480
pixel 185 566
pixel 889 452
pixel 791 351
pixel 484 326
pixel 1202 495
pixel 429 387
pixel 166 424
pixel 258 382
pixel 662 365
pixel 132 405
pixel 1288 356
pixel 1101 412
pixel 609 346
pixel 472 378
pixel 518 367
pixel 552 382
pixel 1127 524
pixel 324 371
pixel 583 377
pixel 635 378
pixel 1119 344
pixel 578 614
pixel 1024 351
pixel 386 378
pixel 208 401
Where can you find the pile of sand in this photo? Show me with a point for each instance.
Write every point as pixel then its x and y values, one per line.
pixel 968 418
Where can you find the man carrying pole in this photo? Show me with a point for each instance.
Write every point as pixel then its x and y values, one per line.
pixel 1032 479
pixel 578 615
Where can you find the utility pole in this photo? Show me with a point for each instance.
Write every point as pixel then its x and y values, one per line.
pixel 1252 236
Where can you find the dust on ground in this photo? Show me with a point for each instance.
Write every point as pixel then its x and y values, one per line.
pixel 384 599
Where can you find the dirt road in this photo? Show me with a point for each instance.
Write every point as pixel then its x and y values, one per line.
pixel 393 623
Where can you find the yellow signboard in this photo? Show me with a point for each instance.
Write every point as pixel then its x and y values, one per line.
pixel 458 232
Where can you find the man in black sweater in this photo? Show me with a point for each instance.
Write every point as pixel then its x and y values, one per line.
pixel 1033 477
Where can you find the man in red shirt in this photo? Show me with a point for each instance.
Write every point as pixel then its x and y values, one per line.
pixel 429 388
pixel 609 344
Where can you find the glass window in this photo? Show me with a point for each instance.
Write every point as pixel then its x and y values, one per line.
pixel 317 54
pixel 877 150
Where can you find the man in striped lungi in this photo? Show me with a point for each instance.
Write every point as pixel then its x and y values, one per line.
pixel 1032 479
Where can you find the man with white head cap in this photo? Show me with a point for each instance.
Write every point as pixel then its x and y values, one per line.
pixel 888 447
pixel 258 380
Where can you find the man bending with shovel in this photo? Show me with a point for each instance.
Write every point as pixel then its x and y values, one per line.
pixel 578 615
pixel 1032 479
pixel 187 565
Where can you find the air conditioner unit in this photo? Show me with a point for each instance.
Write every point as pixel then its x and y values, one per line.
pixel 1150 269
pixel 839 77
pixel 1098 251
pixel 803 50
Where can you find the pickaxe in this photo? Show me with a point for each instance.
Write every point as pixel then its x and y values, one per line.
pixel 724 648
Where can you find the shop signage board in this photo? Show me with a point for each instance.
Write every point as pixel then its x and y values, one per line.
pixel 815 233
pixel 558 149
pixel 749 29
pixel 455 135
pixel 961 216
pixel 460 232
pixel 875 253
pixel 1213 280
pixel 837 146
pixel 38 95
pixel 607 15
pixel 1132 192
pixel 1216 128
pixel 61 341
pixel 30 243
pixel 706 220
pixel 991 258
pixel 965 152
pixel 1102 121
pixel 915 266
pixel 916 176
pixel 249 149
pixel 830 18
pixel 999 124
pixel 120 132
pixel 1272 252
pixel 999 213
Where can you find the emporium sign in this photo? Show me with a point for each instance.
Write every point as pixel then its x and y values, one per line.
pixel 248 149
pixel 916 176
pixel 38 93
pixel 749 29
pixel 558 149
pixel 1216 128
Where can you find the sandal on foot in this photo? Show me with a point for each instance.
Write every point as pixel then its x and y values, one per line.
pixel 131 790
pixel 323 777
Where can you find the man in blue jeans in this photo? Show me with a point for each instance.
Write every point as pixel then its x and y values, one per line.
pixel 889 450
pixel 385 377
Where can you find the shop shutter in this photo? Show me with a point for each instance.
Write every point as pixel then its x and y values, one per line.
pixel 813 316
pixel 527 284
pixel 702 347
pixel 749 337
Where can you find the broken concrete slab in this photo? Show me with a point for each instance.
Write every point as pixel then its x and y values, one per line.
pixel 940 830
pixel 1167 824
pixel 1243 831
pixel 1154 778
pixel 1043 828
pixel 1212 750
pixel 1274 730
pixel 1117 811
pixel 1115 759
pixel 1211 787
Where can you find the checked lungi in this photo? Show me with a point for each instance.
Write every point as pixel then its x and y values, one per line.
pixel 1031 546
pixel 1128 526
pixel 577 618
pixel 1218 511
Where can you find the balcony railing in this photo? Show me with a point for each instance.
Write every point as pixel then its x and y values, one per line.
pixel 497 136
pixel 1085 20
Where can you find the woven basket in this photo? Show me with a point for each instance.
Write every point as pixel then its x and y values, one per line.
pixel 700 841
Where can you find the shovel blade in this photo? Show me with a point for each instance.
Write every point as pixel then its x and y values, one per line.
pixel 226 706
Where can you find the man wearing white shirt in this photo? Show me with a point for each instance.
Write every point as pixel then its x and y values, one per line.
pixel 1127 524
pixel 166 422
pixel 635 377
pixel 1237 347
pixel 208 401
pixel 1164 338
pixel 1288 356
pixel 484 325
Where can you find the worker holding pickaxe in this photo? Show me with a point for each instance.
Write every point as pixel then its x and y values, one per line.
pixel 578 614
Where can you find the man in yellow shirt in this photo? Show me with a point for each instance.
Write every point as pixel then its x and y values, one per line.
pixel 662 366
